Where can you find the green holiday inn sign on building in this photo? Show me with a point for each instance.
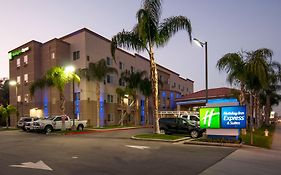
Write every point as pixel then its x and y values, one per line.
pixel 210 117
pixel 13 54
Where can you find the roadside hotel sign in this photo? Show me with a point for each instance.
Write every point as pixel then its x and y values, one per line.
pixel 227 117
pixel 210 117
pixel 13 54
pixel 233 117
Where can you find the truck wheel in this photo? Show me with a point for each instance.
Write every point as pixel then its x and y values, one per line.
pixel 194 134
pixel 48 129
pixel 80 127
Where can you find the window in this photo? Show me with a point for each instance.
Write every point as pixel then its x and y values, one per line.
pixel 26 99
pixel 132 69
pixel 19 98
pixel 88 58
pixel 25 78
pixel 25 59
pixel 121 82
pixel 109 98
pixel 18 62
pixel 109 61
pixel 76 55
pixel 186 89
pixel 109 78
pixel 179 86
pixel 161 78
pixel 18 79
pixel 58 119
pixel 174 85
pixel 121 65
pixel 110 117
pixel 53 55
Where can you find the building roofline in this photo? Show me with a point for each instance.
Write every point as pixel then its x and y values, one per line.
pixel 31 41
pixel 106 39
pixel 187 79
pixel 56 39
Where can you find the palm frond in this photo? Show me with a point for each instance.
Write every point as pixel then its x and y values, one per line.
pixel 154 9
pixel 172 25
pixel 128 40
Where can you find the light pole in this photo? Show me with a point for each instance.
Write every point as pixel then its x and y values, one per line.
pixel 14 83
pixel 71 70
pixel 202 44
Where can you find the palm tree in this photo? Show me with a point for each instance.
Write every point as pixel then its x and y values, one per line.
pixel 258 67
pixel 56 77
pixel 133 82
pixel 146 89
pixel 269 95
pixel 122 94
pixel 97 72
pixel 234 64
pixel 5 113
pixel 148 34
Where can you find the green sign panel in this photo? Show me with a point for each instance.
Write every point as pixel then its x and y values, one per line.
pixel 210 117
pixel 13 54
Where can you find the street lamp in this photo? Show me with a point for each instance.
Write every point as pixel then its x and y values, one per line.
pixel 202 44
pixel 14 83
pixel 71 70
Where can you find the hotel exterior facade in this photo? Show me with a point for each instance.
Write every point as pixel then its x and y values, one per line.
pixel 32 60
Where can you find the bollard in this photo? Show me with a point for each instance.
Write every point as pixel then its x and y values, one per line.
pixel 266 132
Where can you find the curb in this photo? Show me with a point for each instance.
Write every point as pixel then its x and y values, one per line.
pixel 213 144
pixel 118 129
pixel 161 140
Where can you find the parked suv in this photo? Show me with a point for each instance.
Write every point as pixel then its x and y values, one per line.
pixel 180 126
pixel 21 123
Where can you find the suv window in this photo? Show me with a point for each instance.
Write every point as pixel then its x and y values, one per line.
pixel 195 118
pixel 58 119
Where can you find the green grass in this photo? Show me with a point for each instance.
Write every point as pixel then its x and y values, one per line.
pixel 159 136
pixel 259 139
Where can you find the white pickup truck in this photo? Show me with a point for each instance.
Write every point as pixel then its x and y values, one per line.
pixel 55 123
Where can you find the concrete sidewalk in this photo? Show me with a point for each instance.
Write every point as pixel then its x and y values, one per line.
pixel 251 160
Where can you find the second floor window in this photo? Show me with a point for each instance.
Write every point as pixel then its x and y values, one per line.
pixel 76 55
pixel 121 65
pixel 109 61
pixel 109 98
pixel 109 78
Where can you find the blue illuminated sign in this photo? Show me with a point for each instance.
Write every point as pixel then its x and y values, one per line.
pixel 233 117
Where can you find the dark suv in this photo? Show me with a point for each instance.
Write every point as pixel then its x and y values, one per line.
pixel 180 126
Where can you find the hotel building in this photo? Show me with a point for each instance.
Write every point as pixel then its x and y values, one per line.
pixel 33 59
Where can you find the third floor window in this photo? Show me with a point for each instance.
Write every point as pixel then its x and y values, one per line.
pixel 76 55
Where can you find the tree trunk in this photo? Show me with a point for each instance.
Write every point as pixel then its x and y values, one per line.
pixel 242 94
pixel 146 111
pixel 136 110
pixel 7 122
pixel 98 103
pixel 62 108
pixel 154 81
pixel 251 120
pixel 267 110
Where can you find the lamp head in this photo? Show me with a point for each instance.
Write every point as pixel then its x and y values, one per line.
pixel 69 69
pixel 198 42
pixel 12 83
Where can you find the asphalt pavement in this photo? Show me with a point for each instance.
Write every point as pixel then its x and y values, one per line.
pixel 24 153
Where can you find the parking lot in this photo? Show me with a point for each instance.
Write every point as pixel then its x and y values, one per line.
pixel 101 153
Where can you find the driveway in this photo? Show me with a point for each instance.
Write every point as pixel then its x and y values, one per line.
pixel 101 153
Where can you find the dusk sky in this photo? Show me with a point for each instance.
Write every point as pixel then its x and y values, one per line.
pixel 227 26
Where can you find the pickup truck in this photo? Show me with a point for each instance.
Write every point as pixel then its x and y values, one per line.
pixel 55 123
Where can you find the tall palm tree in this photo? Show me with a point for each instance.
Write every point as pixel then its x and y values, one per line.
pixel 5 113
pixel 133 82
pixel 146 89
pixel 97 72
pixel 148 34
pixel 234 64
pixel 56 77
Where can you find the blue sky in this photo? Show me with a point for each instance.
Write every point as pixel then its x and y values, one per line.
pixel 227 26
